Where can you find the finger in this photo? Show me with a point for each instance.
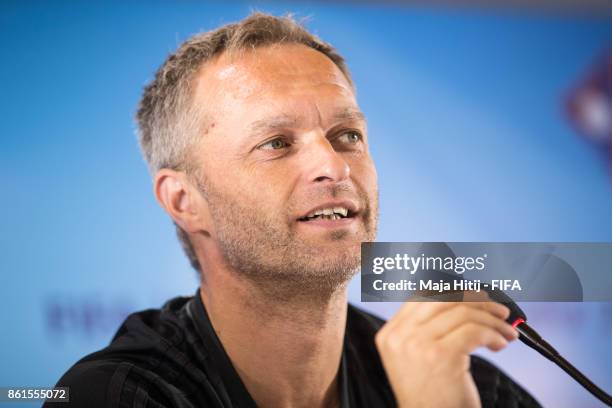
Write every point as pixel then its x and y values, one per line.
pixel 426 311
pixel 414 319
pixel 451 319
pixel 468 337
pixel 420 309
pixel 473 296
pixel 412 315
pixel 415 313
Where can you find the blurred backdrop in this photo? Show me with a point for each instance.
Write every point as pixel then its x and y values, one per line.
pixel 475 126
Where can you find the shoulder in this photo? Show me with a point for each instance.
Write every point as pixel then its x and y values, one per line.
pixel 89 383
pixel 142 361
pixel 496 388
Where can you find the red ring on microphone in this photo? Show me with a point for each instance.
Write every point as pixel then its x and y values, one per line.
pixel 518 321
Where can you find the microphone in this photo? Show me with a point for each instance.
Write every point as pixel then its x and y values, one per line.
pixel 531 338
pixel 548 266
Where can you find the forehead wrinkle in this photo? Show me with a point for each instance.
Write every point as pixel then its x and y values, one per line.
pixel 275 122
pixel 319 116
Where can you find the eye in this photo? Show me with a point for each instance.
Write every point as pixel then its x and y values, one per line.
pixel 350 137
pixel 274 144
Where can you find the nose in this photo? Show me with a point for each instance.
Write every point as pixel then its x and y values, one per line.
pixel 324 163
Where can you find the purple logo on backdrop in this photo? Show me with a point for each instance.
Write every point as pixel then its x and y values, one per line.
pixel 84 316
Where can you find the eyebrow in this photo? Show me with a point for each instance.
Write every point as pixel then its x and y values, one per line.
pixel 285 121
pixel 348 115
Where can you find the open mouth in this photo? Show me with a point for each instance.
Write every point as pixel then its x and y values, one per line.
pixel 331 213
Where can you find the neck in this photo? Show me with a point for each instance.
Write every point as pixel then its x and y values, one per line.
pixel 286 351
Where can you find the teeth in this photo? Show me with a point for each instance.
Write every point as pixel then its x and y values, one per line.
pixel 329 213
pixel 341 210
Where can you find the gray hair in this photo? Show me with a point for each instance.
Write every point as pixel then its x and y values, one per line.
pixel 168 122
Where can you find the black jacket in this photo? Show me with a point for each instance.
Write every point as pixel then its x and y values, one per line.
pixel 173 358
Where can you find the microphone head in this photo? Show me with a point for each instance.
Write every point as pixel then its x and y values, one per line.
pixel 517 316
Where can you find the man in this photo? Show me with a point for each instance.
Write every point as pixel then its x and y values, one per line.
pixel 260 156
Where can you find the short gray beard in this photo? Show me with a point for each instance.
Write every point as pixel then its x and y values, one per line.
pixel 271 259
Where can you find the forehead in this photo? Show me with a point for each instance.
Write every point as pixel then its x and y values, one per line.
pixel 286 76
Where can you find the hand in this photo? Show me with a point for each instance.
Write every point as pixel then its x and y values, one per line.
pixel 425 350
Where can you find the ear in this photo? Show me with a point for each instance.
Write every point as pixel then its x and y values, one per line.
pixel 182 200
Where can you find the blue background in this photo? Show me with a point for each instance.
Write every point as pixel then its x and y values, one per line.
pixel 465 111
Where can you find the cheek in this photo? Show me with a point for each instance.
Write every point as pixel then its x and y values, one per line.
pixel 266 189
pixel 276 177
pixel 364 174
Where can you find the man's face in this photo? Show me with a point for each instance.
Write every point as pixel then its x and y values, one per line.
pixel 284 141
